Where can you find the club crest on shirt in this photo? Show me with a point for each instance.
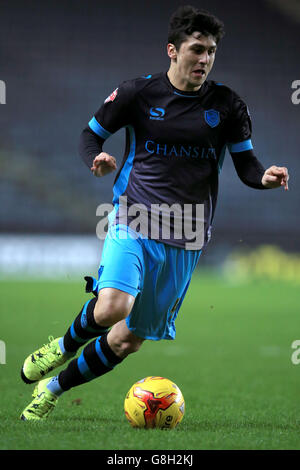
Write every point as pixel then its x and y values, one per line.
pixel 212 117
pixel 112 96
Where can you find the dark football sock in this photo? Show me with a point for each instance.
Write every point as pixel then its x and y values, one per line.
pixel 96 359
pixel 82 329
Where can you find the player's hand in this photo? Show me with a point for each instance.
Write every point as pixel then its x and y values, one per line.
pixel 103 164
pixel 276 176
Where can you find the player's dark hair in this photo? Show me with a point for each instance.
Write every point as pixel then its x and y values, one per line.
pixel 188 19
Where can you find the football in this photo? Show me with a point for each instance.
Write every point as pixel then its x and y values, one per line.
pixel 154 402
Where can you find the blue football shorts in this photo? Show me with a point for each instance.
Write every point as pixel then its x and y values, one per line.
pixel 156 274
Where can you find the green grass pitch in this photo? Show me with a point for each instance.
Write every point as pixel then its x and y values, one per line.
pixel 231 360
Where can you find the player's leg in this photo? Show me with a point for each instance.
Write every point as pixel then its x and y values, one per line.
pixel 119 283
pixel 96 317
pixel 105 352
pixel 97 358
pixel 59 350
pixel 121 269
pixel 122 341
pixel 84 328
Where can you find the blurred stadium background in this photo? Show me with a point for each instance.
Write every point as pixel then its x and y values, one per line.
pixel 60 60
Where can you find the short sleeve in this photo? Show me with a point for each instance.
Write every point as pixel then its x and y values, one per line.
pixel 239 127
pixel 115 112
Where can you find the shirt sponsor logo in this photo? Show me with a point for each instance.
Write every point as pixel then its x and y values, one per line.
pixel 169 150
pixel 212 117
pixel 112 96
pixel 157 114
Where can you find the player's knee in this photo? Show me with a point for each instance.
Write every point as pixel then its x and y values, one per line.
pixel 124 348
pixel 122 341
pixel 111 308
pixel 108 313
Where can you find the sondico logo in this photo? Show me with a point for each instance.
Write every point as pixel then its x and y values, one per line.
pixel 2 352
pixel 296 354
pixel 296 94
pixel 157 114
pixel 2 92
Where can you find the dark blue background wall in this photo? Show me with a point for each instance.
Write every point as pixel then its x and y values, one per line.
pixel 60 60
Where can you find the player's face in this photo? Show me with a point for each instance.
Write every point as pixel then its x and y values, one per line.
pixel 194 60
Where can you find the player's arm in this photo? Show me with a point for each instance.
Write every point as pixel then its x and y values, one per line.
pixel 110 117
pixel 90 150
pixel 248 167
pixel 253 174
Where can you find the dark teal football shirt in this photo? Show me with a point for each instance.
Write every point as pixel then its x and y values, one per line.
pixel 175 146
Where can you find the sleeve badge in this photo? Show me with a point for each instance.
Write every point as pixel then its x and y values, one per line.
pixel 112 96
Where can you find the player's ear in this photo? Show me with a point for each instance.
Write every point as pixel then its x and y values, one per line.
pixel 172 52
